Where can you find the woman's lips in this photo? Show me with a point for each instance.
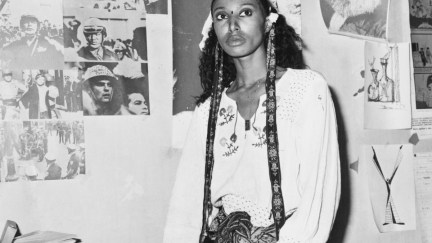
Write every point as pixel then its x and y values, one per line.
pixel 235 40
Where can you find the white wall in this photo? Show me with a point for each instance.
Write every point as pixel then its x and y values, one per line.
pixel 340 60
pixel 123 197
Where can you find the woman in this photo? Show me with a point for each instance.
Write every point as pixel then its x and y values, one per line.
pixel 263 182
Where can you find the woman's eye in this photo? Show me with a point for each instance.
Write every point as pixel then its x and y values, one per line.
pixel 246 12
pixel 221 16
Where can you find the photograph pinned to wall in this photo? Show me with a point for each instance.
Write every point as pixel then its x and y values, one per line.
pixel 38 94
pixel 387 86
pixel 420 14
pixel 422 51
pixel 42 150
pixel 108 6
pixel 31 34
pixel 365 19
pixel 388 175
pixel 156 6
pixel 421 86
pixel 111 88
pixel 95 35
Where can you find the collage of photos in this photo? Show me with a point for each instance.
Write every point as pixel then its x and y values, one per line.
pixel 59 62
pixel 41 150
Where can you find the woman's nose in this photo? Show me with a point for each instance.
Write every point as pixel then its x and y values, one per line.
pixel 233 24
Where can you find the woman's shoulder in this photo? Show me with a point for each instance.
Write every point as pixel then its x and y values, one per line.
pixel 302 81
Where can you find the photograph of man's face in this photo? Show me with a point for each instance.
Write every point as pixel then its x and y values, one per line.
pixel 29 25
pixel 94 40
pixel 103 90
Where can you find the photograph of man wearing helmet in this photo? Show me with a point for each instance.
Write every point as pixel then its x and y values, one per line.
pixel 95 33
pixel 32 50
pixel 108 90
pixel 11 91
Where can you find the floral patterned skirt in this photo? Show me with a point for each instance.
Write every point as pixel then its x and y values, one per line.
pixel 237 228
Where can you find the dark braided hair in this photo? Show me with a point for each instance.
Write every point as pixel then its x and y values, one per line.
pixel 287 46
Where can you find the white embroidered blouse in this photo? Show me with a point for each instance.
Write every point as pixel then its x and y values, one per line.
pixel 309 160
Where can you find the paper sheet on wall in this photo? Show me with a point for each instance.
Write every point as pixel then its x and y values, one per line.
pixel 388 172
pixel 387 86
pixel 422 84
pixel 423 182
pixel 365 19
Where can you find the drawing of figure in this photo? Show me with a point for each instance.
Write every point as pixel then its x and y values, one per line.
pixel 387 84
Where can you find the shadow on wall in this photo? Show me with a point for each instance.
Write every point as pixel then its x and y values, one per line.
pixel 341 222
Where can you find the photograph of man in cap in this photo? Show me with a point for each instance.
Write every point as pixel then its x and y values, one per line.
pixel 10 90
pixel 32 50
pixel 101 94
pixel 95 34
pixel 53 169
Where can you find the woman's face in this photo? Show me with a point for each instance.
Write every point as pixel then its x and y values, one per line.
pixel 239 26
pixel 137 104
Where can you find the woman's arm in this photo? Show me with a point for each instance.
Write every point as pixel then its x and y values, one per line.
pixel 319 173
pixel 185 211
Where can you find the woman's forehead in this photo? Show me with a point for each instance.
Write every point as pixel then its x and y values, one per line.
pixel 227 3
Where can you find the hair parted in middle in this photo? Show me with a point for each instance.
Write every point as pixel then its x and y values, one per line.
pixel 288 47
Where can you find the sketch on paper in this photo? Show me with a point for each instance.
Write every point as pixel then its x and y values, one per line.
pixel 41 150
pixel 389 172
pixel 391 215
pixel 384 86
pixel 361 18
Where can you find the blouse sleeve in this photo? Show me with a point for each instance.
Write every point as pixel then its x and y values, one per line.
pixel 185 210
pixel 318 179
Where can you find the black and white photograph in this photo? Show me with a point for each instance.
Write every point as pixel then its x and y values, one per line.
pixel 362 18
pixel 31 34
pixel 41 150
pixel 420 14
pixel 94 36
pixel 112 88
pixel 423 90
pixel 156 6
pixel 39 94
pixel 422 50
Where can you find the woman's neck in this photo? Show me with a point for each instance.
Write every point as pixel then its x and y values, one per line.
pixel 251 69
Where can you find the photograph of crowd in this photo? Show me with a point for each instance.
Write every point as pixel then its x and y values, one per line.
pixel 91 36
pixel 112 88
pixel 41 150
pixel 39 94
pixel 31 34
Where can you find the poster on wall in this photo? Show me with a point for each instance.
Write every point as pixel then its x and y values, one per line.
pixel 31 34
pixel 365 19
pixel 104 34
pixel 388 174
pixel 420 14
pixel 42 150
pixel 387 86
pixel 111 88
pixel 39 94
pixel 422 83
pixel 423 183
